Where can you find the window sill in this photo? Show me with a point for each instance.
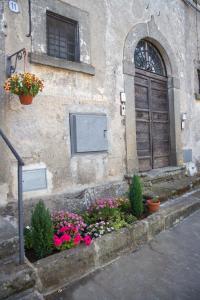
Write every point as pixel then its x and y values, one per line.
pixel 197 96
pixel 44 59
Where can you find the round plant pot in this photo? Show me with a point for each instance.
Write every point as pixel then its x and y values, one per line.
pixel 26 99
pixel 153 206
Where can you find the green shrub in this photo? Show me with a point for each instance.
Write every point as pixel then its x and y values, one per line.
pixel 42 230
pixel 130 218
pixel 135 196
pixel 28 242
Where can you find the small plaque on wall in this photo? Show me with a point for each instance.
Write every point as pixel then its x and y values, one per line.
pixel 34 180
pixel 13 6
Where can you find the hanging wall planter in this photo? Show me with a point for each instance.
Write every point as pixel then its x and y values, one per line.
pixel 25 85
pixel 26 99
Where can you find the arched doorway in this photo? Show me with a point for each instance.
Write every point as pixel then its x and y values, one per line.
pixel 151 108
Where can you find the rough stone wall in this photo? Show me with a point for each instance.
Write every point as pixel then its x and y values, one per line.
pixel 4 153
pixel 41 131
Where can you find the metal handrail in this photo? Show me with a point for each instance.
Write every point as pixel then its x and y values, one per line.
pixel 20 197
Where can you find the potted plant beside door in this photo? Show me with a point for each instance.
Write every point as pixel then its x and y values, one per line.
pixel 25 85
pixel 153 204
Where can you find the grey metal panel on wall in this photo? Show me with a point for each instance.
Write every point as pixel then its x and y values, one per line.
pixel 88 133
pixel 187 155
pixel 34 180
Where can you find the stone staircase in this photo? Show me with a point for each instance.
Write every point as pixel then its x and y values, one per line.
pixel 167 182
pixel 16 281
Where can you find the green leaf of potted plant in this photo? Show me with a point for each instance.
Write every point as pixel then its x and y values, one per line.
pixel 25 85
pixel 153 204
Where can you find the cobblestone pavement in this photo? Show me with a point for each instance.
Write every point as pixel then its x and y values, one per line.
pixel 167 268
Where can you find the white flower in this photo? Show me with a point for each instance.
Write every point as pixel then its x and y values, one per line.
pixel 28 227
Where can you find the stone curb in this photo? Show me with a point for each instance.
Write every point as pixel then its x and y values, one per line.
pixel 65 267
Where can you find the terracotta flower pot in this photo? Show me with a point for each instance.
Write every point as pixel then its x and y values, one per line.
pixel 26 99
pixel 153 206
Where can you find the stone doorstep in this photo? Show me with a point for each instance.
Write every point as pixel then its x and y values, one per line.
pixel 173 188
pixel 65 267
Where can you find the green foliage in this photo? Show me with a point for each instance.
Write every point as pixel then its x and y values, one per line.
pixel 130 218
pixel 119 222
pixel 28 238
pixel 124 204
pixel 135 196
pixel 104 214
pixel 155 199
pixel 42 230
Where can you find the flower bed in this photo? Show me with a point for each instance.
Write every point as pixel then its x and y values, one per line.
pixel 64 230
pixel 69 229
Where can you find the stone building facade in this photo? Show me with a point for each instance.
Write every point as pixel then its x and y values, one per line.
pixel 77 134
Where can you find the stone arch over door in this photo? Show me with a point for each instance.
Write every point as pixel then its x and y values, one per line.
pixel 149 31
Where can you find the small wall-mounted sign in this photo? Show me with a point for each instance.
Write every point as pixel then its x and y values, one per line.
pixel 13 5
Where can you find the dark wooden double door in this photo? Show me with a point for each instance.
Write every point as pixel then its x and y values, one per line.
pixel 152 121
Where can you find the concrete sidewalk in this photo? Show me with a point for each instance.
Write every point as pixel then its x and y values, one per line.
pixel 168 268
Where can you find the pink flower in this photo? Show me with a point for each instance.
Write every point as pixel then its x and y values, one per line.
pixel 63 229
pixel 66 237
pixel 57 241
pixel 87 240
pixel 77 239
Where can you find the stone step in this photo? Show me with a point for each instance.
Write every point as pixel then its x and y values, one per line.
pixel 8 236
pixel 163 174
pixel 170 189
pixel 15 278
pixel 167 182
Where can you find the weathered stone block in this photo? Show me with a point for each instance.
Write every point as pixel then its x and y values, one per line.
pixel 180 212
pixel 139 233
pixel 9 247
pixel 62 268
pixel 156 224
pixel 15 278
pixel 110 246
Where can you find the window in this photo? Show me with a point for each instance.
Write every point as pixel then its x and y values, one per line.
pixel 62 37
pixel 148 58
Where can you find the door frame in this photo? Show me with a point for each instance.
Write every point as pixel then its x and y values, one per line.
pixel 150 31
pixel 151 76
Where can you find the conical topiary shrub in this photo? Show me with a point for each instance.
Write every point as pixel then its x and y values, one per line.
pixel 135 196
pixel 42 230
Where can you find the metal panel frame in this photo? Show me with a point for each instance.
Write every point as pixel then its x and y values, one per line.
pixel 73 133
pixel 36 188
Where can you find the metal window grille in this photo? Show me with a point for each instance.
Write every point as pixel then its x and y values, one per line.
pixel 148 58
pixel 62 37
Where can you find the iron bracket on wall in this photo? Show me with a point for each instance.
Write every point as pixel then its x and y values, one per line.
pixel 11 67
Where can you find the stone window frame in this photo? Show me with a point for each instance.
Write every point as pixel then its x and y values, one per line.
pixel 38 53
pixel 62 23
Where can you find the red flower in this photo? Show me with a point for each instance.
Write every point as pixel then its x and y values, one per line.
pixel 63 229
pixel 77 239
pixel 57 241
pixel 87 240
pixel 66 238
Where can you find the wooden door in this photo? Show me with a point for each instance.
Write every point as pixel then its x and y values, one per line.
pixel 152 120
